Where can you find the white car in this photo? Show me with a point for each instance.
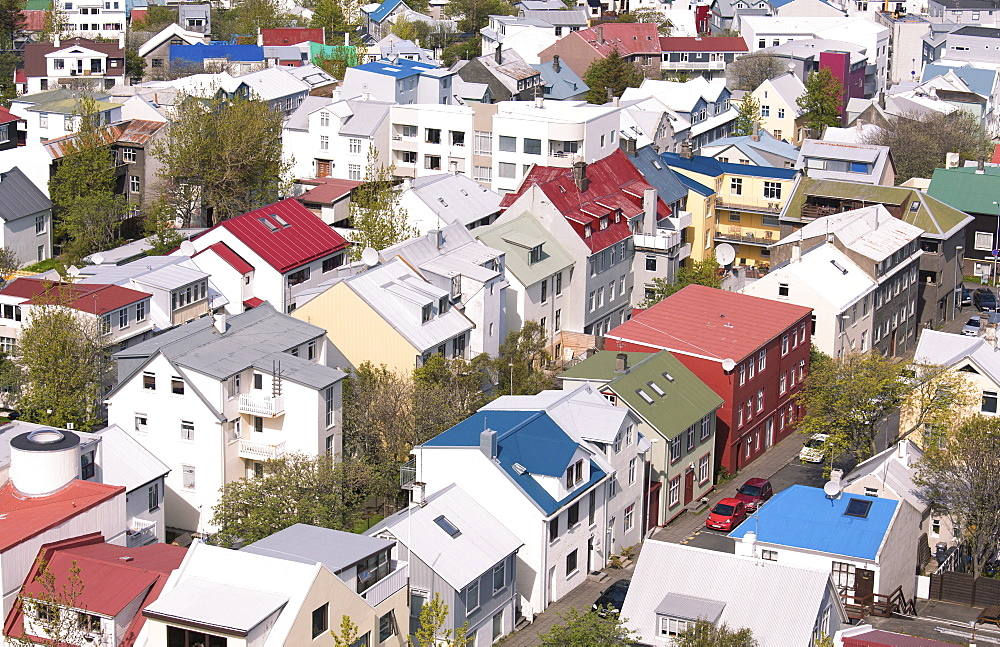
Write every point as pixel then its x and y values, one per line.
pixel 812 451
pixel 971 327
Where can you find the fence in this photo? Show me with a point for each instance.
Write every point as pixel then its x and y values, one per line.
pixel 963 588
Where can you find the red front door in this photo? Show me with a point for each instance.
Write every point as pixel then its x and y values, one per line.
pixel 688 486
pixel 654 505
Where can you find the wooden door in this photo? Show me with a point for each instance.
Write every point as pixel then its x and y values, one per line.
pixel 864 584
pixel 688 486
pixel 654 505
pixel 322 168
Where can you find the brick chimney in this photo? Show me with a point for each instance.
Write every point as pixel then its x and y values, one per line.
pixel 498 54
pixel 686 149
pixel 600 34
pixel 580 175
pixel 555 64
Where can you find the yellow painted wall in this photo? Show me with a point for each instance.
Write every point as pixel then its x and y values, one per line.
pixel 358 332
pixel 788 127
pixel 702 222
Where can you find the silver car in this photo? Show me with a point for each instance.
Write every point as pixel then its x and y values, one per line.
pixel 812 451
pixel 971 327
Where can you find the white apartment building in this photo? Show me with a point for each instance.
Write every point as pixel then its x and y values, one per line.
pixel 430 138
pixel 94 18
pixel 216 397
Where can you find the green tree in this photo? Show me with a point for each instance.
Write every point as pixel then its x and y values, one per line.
pixel 611 74
pixel 135 65
pixel 9 263
pixel 416 30
pixel 589 629
pixel 376 216
pixel 705 634
pixel 704 272
pixel 160 231
pixel 821 101
pixel 248 17
pixel 748 118
pixel 748 72
pixel 11 22
pixel 348 635
pixel 8 64
pixel 648 15
pixel 157 17
pixel 294 488
pixel 461 51
pixel 224 154
pixel 523 359
pixel 56 23
pixel 331 16
pixel 473 15
pixel 50 611
pixel 961 478
pixel 433 631
pixel 935 393
pixel 447 391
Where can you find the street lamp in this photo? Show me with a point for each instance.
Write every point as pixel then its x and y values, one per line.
pixel 995 248
pixel 842 326
pixel 957 297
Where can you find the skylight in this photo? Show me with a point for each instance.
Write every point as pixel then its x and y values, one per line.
pixel 281 221
pixel 447 526
pixel 858 508
pixel 668 376
pixel 645 396
pixel 656 388
pixel 267 223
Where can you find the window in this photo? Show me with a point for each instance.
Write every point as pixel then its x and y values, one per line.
pixel 760 400
pixel 573 515
pixel 765 111
pixel 651 263
pixel 783 382
pixel 187 472
pixel 133 183
pixel 506 170
pixel 149 381
pixel 386 627
pixel 781 115
pixel 631 471
pixel 772 190
pixel 507 144
pixel 354 145
pixel 784 345
pixel 330 406
pixel 332 263
pixel 432 135
pixel 187 430
pixel 353 171
pixel 743 374
pixel 320 620
pixel 87 467
pixel 690 438
pixel 782 289
pixel 532 146
pixel 674 491
pixel 989 402
pixel 706 427
pixel 154 496
pixel 432 162
pixel 554 529
pixel 177 637
pixel 479 173
pixel 736 186
pixel 675 448
pixel 295 278
pixel 499 576
pixel 545 290
pixel 843 575
pixel 497 626
pixel 672 626
pixel 140 311
pixel 935 526
pixel 592 508
pixel 769 555
pixel 574 474
pixel 629 517
pixel 984 240
pixel 571 564
pixel 703 468
pixel 177 386
pixel 483 142
pixel 141 422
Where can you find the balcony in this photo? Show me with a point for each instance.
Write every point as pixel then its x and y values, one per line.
pixel 738 235
pixel 141 533
pixel 664 240
pixel 685 252
pixel 680 220
pixel 693 65
pixel 384 588
pixel 260 451
pixel 762 206
pixel 265 406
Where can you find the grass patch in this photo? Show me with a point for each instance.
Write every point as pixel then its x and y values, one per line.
pixel 46 265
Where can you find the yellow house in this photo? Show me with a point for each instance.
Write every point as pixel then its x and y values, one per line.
pixel 701 205
pixel 746 202
pixel 388 314
pixel 780 115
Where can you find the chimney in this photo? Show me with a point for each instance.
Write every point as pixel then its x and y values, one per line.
pixel 796 253
pixel 488 443
pixel 991 334
pixel 498 54
pixel 437 236
pixel 580 175
pixel 984 321
pixel 686 149
pixel 747 547
pixel 627 144
pixel 756 134
pixel 555 64
pixel 207 39
pixel 836 475
pixel 600 35
pixel 981 166
pixel 901 451
pixel 121 40
pixel 621 363
pixel 219 319
pixel 55 39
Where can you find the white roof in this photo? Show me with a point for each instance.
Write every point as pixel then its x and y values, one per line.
pixel 482 541
pixel 126 462
pixel 840 285
pixel 870 231
pixel 851 135
pixel 173 30
pixel 826 27
pixel 752 593
pixel 895 471
pixel 455 198
pixel 951 349
pixel 273 83
pixel 193 599
pixel 676 95
pixel 566 111
pixel 790 88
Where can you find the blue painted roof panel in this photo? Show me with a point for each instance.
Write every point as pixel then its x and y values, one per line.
pixel 384 10
pixel 695 186
pixel 198 52
pixel 979 81
pixel 714 168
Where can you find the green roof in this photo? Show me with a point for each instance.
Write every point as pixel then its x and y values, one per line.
pixel 70 106
pixel 967 190
pixel 600 367
pixel 932 215
pixel 38 5
pixel 516 238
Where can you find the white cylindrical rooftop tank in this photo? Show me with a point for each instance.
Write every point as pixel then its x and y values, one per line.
pixel 44 460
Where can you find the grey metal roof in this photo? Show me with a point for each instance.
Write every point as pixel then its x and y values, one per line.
pixel 236 608
pixel 126 462
pixel 299 120
pixel 562 84
pixel 306 544
pixel 513 238
pixel 367 117
pixel 689 607
pixel 449 253
pixel 456 198
pixel 558 16
pixel 19 197
pixel 871 231
pixel 482 541
pixel 659 175
pixel 697 578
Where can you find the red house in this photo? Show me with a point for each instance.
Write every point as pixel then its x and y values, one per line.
pixel 753 352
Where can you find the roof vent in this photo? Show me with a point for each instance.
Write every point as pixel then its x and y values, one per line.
pixel 44 461
pixel 126 558
pixel 520 469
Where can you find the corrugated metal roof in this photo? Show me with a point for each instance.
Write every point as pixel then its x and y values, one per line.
pixel 482 541
pixel 217 604
pixel 307 544
pixel 93 298
pixel 554 258
pixel 19 197
pixel 702 44
pixel 126 462
pixel 328 190
pixel 963 188
pixel 840 285
pixel 941 348
pixel 366 118
pixel 870 231
pixel 226 253
pixel 456 198
pixel 291 35
pixel 25 517
pixel 879 638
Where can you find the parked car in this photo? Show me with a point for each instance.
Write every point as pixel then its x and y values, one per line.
pixel 754 493
pixel 966 297
pixel 971 327
pixel 812 451
pixel 613 596
pixel 984 300
pixel 727 514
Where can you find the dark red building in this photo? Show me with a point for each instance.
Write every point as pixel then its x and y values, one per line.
pixel 753 352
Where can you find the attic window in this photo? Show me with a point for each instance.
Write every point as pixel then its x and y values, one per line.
pixel 604 223
pixel 447 526
pixel 281 221
pixel 915 205
pixel 645 396
pixel 535 254
pixel 969 369
pixel 858 508
pixel 837 265
pixel 668 376
pixel 267 223
pixel 586 231
pixel 656 389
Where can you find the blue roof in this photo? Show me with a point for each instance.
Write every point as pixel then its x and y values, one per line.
pixel 694 185
pixel 803 517
pixel 713 167
pixel 397 69
pixel 384 10
pixel 765 142
pixel 669 187
pixel 562 84
pixel 529 438
pixel 198 52
pixel 979 81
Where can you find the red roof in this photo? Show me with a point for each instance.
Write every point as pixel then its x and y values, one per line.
pixel 328 190
pixel 302 240
pixel 6 116
pixel 996 155
pixel 138 15
pixel 34 19
pixel 94 298
pixel 124 574
pixel 627 37
pixel 699 44
pixel 614 193
pixel 877 638
pixel 25 517
pixel 710 323
pixel 253 302
pixel 291 36
pixel 20 76
pixel 226 253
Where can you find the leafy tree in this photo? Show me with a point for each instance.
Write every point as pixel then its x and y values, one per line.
pixel 8 63
pixel 293 489
pixel 348 635
pixel 221 153
pixel 447 391
pixel 919 142
pixel 63 362
pixel 589 630
pixel 432 631
pixel 376 216
pixel 85 208
pixel 160 231
pixel 613 74
pixel 135 65
pixel 416 30
pixel 748 72
pixel 934 396
pixel 523 358
pixel 56 23
pixel 49 614
pixel 705 634
pixel 11 22
pixel 704 272
pixel 473 15
pixel 9 262
pixel 248 17
pixel 648 15
pixel 748 119
pixel 157 17
pixel 336 18
pixel 821 101
pixel 962 479
pixel 461 51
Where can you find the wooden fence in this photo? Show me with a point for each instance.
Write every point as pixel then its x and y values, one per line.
pixel 963 588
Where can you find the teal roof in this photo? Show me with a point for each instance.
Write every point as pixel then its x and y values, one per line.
pixel 600 367
pixel 966 190
pixel 516 238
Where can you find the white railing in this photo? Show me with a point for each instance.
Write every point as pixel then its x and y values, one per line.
pixel 693 65
pixel 666 241
pixel 260 451
pixel 685 252
pixel 385 587
pixel 141 533
pixel 265 406
pixel 681 219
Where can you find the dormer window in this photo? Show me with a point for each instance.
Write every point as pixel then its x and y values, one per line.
pixel 443 305
pixel 604 223
pixel 574 474
pixel 535 254
pixel 586 231
pixel 427 313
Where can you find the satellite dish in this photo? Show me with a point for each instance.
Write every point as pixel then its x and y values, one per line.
pixel 728 364
pixel 187 248
pixel 831 489
pixel 725 254
pixel 369 256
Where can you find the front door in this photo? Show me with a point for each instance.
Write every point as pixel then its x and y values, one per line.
pixel 590 555
pixel 322 168
pixel 864 584
pixel 688 486
pixel 654 505
pixel 768 433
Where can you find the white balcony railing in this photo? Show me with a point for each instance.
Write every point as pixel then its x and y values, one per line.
pixel 141 533
pixel 265 406
pixel 381 590
pixel 665 240
pixel 260 451
pixel 681 219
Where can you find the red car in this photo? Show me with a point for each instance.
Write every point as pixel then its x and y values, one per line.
pixel 754 492
pixel 727 514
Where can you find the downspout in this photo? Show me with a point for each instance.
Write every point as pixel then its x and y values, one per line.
pixel 545 568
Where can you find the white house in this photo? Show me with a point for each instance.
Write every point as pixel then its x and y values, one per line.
pixel 25 217
pixel 561 470
pixel 216 397
pixel 435 201
pixel 76 62
pixel 105 19
pixel 428 138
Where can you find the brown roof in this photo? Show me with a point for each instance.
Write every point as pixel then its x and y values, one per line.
pixel 134 131
pixel 34 19
pixel 34 55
